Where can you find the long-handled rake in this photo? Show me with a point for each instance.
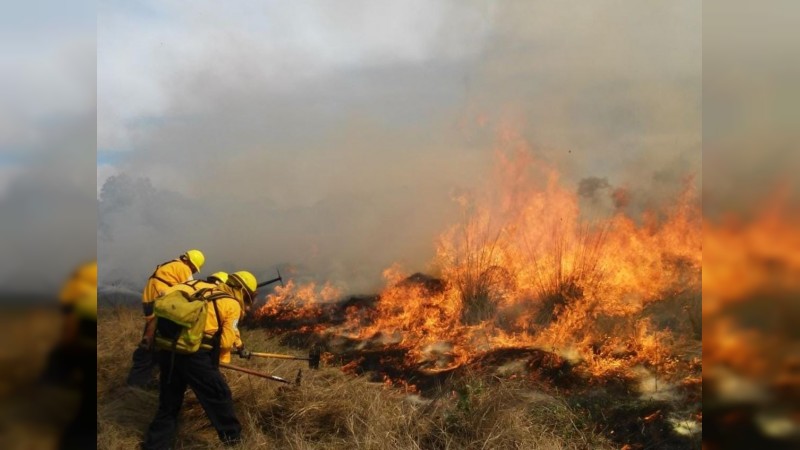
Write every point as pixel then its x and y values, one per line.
pixel 313 357
pixel 261 375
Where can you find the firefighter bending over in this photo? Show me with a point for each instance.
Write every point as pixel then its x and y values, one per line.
pixel 186 361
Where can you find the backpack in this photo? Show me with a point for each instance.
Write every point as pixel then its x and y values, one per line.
pixel 181 320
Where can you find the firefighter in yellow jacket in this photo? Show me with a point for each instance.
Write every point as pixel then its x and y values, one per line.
pixel 75 356
pixel 74 294
pixel 165 276
pixel 200 370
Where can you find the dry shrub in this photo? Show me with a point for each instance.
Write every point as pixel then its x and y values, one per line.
pixel 564 269
pixel 472 257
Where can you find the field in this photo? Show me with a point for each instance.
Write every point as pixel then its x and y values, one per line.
pixel 531 327
pixel 32 415
pixel 332 409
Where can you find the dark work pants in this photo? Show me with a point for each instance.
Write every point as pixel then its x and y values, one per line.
pixel 81 433
pixel 60 365
pixel 198 371
pixel 142 373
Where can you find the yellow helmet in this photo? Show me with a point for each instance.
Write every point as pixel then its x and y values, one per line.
pixel 221 276
pixel 88 273
pixel 196 258
pixel 82 282
pixel 244 279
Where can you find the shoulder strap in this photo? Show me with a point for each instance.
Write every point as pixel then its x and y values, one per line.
pixel 192 283
pixel 202 294
pixel 213 299
pixel 217 295
pixel 219 320
pixel 156 277
pixel 216 339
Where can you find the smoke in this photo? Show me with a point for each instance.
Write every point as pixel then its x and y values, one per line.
pixel 588 187
pixel 47 141
pixel 331 140
pixel 621 197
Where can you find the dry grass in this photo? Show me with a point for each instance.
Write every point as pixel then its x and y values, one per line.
pixel 32 416
pixel 331 410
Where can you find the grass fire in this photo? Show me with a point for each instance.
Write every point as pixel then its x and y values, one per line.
pixel 533 327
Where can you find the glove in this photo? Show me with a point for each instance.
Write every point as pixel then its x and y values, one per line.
pixel 244 353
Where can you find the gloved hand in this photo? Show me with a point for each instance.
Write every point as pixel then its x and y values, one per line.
pixel 244 353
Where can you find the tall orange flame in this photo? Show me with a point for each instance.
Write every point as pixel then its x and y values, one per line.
pixel 524 268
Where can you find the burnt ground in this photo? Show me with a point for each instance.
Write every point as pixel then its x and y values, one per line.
pixel 614 405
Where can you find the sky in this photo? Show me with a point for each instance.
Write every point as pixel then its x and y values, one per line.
pixel 330 139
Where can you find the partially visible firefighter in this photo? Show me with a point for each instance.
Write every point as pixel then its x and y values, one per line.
pixel 82 283
pixel 166 275
pixel 196 330
pixel 74 359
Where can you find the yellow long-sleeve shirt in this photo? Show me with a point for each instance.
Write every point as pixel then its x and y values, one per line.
pixel 165 276
pixel 230 312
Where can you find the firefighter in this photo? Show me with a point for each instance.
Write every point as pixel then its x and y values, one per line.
pixel 200 370
pixel 165 276
pixel 60 364
pixel 75 356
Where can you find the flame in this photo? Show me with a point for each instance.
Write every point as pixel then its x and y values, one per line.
pixel 525 268
pixel 751 281
pixel 752 264
pixel 742 258
pixel 293 304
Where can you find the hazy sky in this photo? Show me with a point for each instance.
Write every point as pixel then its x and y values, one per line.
pixel 331 136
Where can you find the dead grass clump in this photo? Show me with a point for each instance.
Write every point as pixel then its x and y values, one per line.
pixel 564 269
pixel 506 414
pixel 333 410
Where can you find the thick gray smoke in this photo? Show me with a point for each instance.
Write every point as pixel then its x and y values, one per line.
pixel 589 187
pixel 331 138
pixel 48 211
pixel 47 145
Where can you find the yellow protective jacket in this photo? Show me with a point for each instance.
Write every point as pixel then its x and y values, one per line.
pixel 230 312
pixel 81 283
pixel 166 275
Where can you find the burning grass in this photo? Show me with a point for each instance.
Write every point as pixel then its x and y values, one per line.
pixel 750 320
pixel 524 269
pixel 333 410
pixel 613 302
